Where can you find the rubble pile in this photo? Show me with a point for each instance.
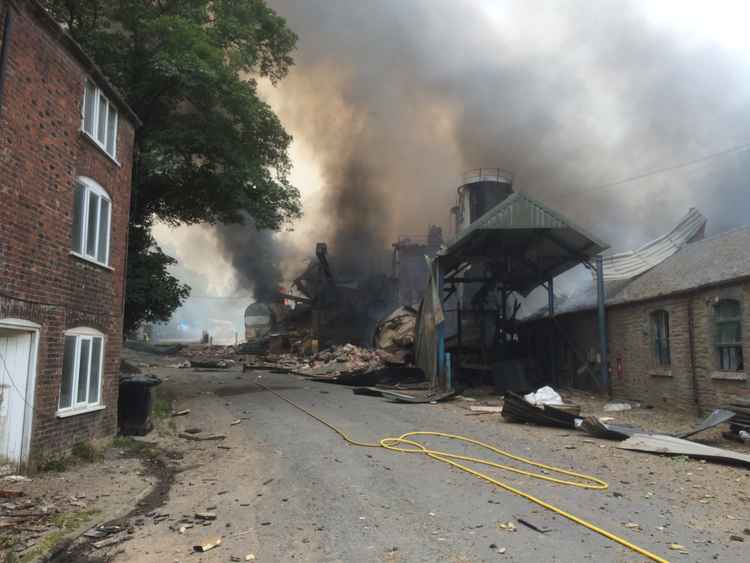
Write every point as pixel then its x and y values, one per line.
pixel 336 362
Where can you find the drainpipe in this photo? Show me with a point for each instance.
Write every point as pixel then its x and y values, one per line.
pixel 602 324
pixel 4 48
pixel 691 344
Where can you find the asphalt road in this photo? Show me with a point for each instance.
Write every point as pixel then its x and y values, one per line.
pixel 289 489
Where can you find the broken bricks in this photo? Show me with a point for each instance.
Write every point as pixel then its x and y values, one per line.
pixel 207 545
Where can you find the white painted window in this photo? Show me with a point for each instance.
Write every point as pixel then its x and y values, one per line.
pixel 83 361
pixel 99 119
pixel 92 218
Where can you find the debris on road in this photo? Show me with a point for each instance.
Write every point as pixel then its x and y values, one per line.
pixel 717 417
pixel 661 444
pixel 618 407
pixel 486 409
pixel 198 438
pixel 518 409
pixel 595 427
pixel 207 545
pixel 181 413
pixel 544 396
pixel 205 515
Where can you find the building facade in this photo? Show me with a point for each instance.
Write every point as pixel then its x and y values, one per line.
pixel 678 335
pixel 66 150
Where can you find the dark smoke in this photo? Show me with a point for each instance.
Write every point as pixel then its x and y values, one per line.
pixel 256 257
pixel 397 98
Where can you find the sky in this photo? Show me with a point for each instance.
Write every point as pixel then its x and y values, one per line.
pixel 389 102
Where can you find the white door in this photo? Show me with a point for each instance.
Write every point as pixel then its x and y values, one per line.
pixel 15 365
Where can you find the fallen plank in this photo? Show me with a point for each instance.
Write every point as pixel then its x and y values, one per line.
pixel 486 409
pixel 198 438
pixel 661 444
pixel 717 417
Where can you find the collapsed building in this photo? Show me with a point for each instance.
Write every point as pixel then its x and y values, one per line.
pixel 325 309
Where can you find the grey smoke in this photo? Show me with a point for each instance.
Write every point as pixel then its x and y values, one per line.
pixel 397 98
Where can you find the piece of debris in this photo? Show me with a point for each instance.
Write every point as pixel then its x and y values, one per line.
pixel 633 526
pixel 11 494
pixel 661 444
pixel 16 478
pixel 181 413
pixel 250 557
pixel 207 545
pixel 207 437
pixel 518 409
pixel 486 409
pixel 205 515
pixel 617 407
pixel 507 526
pixel 235 422
pixel 717 417
pixel 544 396
pixel 677 547
pixel 533 526
pixel 735 537
pixel 596 427
pixel 114 540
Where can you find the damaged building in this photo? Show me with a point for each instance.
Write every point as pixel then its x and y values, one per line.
pixel 677 322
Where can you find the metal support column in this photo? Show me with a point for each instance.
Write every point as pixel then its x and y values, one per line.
pixel 551 334
pixel 601 321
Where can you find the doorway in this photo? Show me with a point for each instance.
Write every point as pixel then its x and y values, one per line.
pixel 18 350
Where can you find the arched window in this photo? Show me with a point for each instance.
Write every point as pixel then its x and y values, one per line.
pixel 728 318
pixel 92 213
pixel 83 361
pixel 660 336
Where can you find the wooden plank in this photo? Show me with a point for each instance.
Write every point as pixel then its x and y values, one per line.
pixel 661 444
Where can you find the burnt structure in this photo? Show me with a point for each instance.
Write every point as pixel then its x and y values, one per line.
pixel 506 244
pixel 410 268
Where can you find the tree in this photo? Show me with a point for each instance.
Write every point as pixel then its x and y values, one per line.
pixel 209 150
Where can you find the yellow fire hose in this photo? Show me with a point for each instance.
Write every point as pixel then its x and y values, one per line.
pixel 414 447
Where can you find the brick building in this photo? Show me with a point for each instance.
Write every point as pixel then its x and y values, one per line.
pixel 678 334
pixel 66 150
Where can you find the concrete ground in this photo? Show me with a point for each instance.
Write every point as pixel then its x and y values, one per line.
pixel 286 488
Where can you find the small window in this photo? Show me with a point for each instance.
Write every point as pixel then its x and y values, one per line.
pixel 660 334
pixel 99 119
pixel 728 315
pixel 92 215
pixel 83 355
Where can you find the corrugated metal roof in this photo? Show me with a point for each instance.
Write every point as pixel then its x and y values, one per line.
pixel 710 261
pixel 627 265
pixel 715 260
pixel 519 211
pixel 538 242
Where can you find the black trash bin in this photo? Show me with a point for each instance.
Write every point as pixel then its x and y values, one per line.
pixel 135 403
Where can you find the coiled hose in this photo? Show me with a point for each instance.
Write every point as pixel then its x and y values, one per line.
pixel 405 444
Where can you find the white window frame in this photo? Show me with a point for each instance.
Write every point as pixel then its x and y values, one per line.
pixel 82 334
pixel 98 95
pixel 91 187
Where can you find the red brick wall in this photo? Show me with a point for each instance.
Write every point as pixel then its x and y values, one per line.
pixel 630 340
pixel 42 152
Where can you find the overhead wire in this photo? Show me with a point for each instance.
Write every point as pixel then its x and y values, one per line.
pixel 406 443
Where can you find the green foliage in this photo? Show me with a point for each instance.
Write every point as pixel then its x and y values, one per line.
pixel 153 293
pixel 209 150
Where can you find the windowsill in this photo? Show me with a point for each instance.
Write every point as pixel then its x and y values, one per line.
pixel 729 375
pixel 98 145
pixel 660 372
pixel 91 261
pixel 65 413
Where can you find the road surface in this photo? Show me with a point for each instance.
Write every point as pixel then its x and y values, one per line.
pixel 289 489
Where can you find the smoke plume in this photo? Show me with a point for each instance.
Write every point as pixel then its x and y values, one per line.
pixel 395 99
